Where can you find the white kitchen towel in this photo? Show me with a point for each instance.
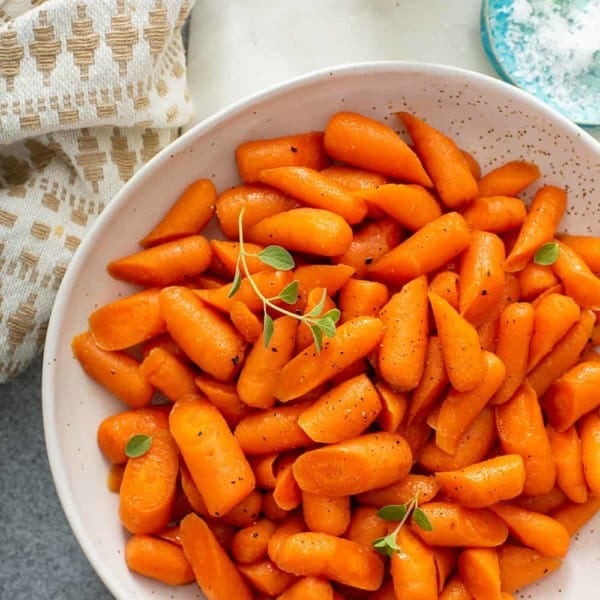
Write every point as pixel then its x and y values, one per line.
pixel 89 91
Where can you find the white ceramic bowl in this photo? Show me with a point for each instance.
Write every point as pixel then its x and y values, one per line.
pixel 490 118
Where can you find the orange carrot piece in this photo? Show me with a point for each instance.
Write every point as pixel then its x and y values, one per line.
pixel 377 459
pixel 300 150
pixel 326 514
pixel 361 297
pixel 590 451
pixel 543 503
pixel 463 357
pixel 403 346
pixel 521 430
pixel 352 178
pixel 574 516
pixel 165 264
pixel 215 573
pixel 363 142
pixel 313 189
pixel 168 374
pixel 429 249
pixel 158 559
pixel 586 246
pixel 445 285
pixel 228 253
pixel 115 478
pixel 266 577
pixel 474 165
pixel 539 227
pixel 330 277
pixel 443 160
pixel 188 215
pixel 535 279
pixel 147 491
pixel 245 321
pixel 393 407
pixel 365 526
pixel 244 513
pixel 480 570
pixel 314 588
pixel 205 335
pixel 116 371
pixel 223 396
pixel 509 179
pixel 171 534
pixel 402 491
pixel 166 342
pixel 566 450
pixel 496 214
pixel 521 566
pixel 455 589
pixel 211 453
pixel 579 281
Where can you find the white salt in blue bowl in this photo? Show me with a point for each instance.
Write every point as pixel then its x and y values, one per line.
pixel 550 48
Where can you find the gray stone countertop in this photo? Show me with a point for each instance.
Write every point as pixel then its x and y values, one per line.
pixel 40 558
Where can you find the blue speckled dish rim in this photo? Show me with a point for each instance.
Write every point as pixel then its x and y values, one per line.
pixel 488 46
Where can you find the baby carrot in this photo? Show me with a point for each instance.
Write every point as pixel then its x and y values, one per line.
pixel 480 571
pixel 543 503
pixel 539 227
pixel 215 573
pixel 206 336
pixel 428 249
pixel 330 277
pixel 117 371
pixel 166 342
pixel 148 488
pixel 579 281
pixel 377 459
pixel 245 321
pixel 158 559
pixel 168 374
pixel 455 589
pixel 535 279
pixel 363 142
pixel 228 254
pixel 313 189
pixel 463 357
pixel 574 515
pixel 445 285
pixel 314 588
pixel 586 246
pixel 326 514
pixel 566 450
pixel 165 264
pixel 213 455
pixel 352 178
pixel 393 407
pixel 521 566
pixel 590 451
pixel 311 230
pixel 361 297
pixel 302 149
pixel 188 215
pixel 509 179
pixel 443 160
pixel 223 396
pixel 365 526
pixel 266 577
pixel 496 214
pixel 403 345
pixel 402 491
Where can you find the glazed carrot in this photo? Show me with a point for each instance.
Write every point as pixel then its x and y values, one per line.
pixel 212 454
pixel 308 587
pixel 521 566
pixel 481 276
pixel 352 178
pixel 509 179
pixel 258 201
pixel 343 412
pixel 318 554
pixel 410 205
pixel 393 407
pixel 413 570
pixel 313 189
pixel 158 559
pixel 515 328
pixel 166 342
pixel 263 467
pixel 363 142
pixel 566 450
pixel 326 514
pixel 365 526
pixel 443 160
pixel 310 230
pixel 171 534
pixel 116 430
pixel 521 430
pixel 369 243
pixel 223 396
pixel 402 491
pixel 292 523
pixel 445 285
pixel 403 345
pixel 572 395
pixel 245 321
pixel 480 571
pixel 361 297
pixel 244 513
pixel 302 149
pixel 590 451
pixel 540 225
pixel 552 318
pixel 563 356
pixel 116 371
pixel 429 249
pixel 205 335
pixel 165 264
pixel 454 525
pixel 115 477
pixel 574 516
pixel 148 488
pixel 308 370
pixel 474 445
pixel 535 279
pixel 307 301
pixel 485 483
pixel 256 382
pixel 168 374
pixel 590 354
pixel 377 459
pixel 188 215
pixel 228 253
pixel 455 589
pixel 579 281
pixel 330 277
pixel 496 214
pixel 195 500
pixel 433 381
pixel 273 430
pixel 586 246
pixel 215 573
pixel 544 503
pixel 266 577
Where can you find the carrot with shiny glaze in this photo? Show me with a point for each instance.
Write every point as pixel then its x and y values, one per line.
pixel 566 450
pixel 579 281
pixel 393 407
pixel 521 566
pixel 326 514
pixel 586 246
pixel 495 214
pixel 330 277
pixel 574 515
pixel 168 374
pixel 480 571
pixel 590 451
pixel 455 589
pixel 223 395
pixel 228 254
pixel 361 297
pixel 445 285
pixel 245 321
pixel 402 491
pixel 365 526
pixel 508 179
pixel 535 279
pixel 314 588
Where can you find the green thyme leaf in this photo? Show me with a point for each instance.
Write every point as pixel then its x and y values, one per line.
pixel 318 309
pixel 277 257
pixel 392 512
pixel 317 337
pixel 235 284
pixel 327 326
pixel 289 294
pixel 138 445
pixel 547 254
pixel 421 519
pixel 267 328
pixel 334 314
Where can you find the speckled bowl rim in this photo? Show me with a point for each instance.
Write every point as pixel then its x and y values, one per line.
pixel 159 162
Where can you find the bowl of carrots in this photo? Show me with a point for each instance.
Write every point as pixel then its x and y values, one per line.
pixel 338 341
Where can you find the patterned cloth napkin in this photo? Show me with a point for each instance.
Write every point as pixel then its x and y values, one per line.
pixel 89 91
